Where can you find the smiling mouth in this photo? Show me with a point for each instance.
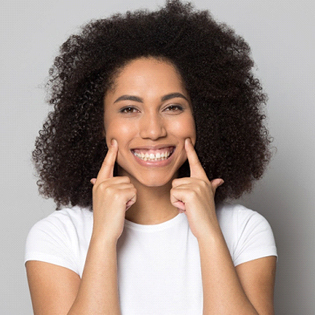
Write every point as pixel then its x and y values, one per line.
pixel 153 155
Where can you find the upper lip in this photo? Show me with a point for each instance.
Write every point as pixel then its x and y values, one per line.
pixel 154 147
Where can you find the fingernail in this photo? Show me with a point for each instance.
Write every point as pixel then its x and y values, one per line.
pixel 113 142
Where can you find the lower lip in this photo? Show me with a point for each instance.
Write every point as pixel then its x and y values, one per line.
pixel 155 163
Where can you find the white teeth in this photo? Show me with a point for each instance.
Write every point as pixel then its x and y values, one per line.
pixel 153 157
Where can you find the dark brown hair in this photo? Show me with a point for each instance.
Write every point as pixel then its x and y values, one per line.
pixel 215 65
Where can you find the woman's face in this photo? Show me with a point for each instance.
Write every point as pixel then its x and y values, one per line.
pixel 148 112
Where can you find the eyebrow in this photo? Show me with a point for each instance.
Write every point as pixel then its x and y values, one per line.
pixel 173 95
pixel 129 98
pixel 140 100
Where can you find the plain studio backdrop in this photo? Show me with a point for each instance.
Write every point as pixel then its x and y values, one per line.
pixel 281 35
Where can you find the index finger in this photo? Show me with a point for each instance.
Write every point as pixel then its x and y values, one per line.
pixel 196 169
pixel 107 168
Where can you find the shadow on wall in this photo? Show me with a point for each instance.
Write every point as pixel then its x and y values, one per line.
pixel 280 202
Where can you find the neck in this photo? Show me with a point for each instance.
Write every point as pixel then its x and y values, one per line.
pixel 153 205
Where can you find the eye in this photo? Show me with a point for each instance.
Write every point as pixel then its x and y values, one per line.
pixel 128 110
pixel 174 108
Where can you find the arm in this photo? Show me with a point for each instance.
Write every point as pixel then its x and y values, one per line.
pixel 247 289
pixel 53 288
pixel 57 290
pixel 98 290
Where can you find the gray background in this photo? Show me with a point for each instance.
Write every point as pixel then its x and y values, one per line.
pixel 281 34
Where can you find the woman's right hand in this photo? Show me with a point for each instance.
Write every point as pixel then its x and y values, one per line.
pixel 112 197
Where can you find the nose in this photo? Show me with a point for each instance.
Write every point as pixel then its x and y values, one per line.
pixel 152 127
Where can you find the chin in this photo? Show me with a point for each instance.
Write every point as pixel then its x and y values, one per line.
pixel 154 180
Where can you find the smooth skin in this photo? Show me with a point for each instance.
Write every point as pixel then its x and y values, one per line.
pixel 245 289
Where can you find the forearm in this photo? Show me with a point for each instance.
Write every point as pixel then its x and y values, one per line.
pixel 222 290
pixel 98 291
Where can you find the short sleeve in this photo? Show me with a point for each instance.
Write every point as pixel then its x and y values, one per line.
pixel 49 241
pixel 254 237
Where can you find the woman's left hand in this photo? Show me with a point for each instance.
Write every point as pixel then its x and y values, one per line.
pixel 194 195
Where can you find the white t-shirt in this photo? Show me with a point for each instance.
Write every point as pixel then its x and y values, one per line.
pixel 158 265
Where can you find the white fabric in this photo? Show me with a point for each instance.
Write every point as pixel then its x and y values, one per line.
pixel 158 265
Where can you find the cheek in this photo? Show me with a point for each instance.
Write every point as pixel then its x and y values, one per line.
pixel 191 129
pixel 185 129
pixel 119 131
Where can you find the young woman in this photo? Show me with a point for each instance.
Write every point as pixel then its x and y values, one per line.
pixel 157 121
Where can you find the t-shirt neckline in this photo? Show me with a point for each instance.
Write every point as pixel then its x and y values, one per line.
pixel 155 227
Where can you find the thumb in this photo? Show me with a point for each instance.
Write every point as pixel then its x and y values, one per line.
pixel 215 183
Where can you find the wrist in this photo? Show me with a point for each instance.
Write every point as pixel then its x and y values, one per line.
pixel 207 227
pixel 210 233
pixel 104 238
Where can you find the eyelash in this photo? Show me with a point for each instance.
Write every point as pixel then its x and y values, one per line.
pixel 130 109
pixel 174 108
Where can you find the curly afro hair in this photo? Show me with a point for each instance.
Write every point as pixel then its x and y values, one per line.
pixel 215 65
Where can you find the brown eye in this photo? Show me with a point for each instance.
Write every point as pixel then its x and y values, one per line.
pixel 174 108
pixel 128 109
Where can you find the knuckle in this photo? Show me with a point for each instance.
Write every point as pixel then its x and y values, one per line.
pixel 203 185
pixel 195 191
pixel 104 189
pixel 126 179
pixel 102 186
pixel 194 194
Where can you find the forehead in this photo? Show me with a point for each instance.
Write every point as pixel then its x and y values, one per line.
pixel 148 73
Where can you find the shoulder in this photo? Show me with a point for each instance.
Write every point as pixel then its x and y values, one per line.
pixel 228 213
pixel 60 237
pixel 238 216
pixel 63 220
pixel 247 233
